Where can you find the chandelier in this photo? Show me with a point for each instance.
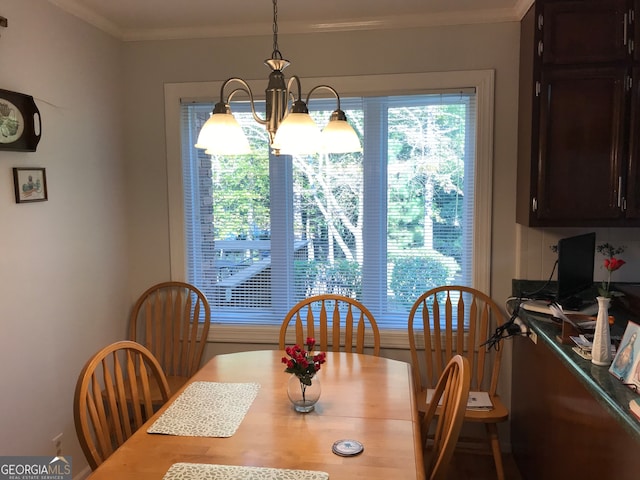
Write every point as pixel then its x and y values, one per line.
pixel 291 129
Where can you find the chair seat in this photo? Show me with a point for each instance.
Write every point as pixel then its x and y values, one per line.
pixel 175 383
pixel 498 413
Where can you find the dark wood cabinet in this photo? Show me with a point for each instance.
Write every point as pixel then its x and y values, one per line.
pixel 579 115
pixel 559 428
pixel 633 174
pixel 587 31
pixel 581 123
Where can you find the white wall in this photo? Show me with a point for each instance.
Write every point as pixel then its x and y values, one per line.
pixel 63 277
pixel 536 258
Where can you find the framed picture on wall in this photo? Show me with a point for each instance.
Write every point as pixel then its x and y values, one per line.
pixel 30 184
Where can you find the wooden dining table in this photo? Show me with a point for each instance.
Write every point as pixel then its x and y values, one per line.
pixel 364 398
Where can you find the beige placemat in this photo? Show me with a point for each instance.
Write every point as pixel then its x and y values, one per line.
pixel 207 409
pixel 203 471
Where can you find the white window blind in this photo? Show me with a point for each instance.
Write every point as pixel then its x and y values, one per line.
pixel 383 226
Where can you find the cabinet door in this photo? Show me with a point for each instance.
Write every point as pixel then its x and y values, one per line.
pixel 635 45
pixel 559 428
pixel 632 194
pixel 585 31
pixel 581 145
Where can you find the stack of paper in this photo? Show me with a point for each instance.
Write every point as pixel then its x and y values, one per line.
pixel 479 401
pixel 476 400
pixel 583 346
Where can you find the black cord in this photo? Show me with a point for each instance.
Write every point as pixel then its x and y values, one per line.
pixel 510 328
pixel 546 284
pixel 506 330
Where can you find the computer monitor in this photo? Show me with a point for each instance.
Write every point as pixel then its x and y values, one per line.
pixel 576 257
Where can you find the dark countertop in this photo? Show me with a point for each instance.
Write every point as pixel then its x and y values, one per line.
pixel 606 389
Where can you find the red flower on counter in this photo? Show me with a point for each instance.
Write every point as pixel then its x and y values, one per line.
pixel 611 264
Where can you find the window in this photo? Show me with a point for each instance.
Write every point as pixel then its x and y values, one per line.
pixel 261 232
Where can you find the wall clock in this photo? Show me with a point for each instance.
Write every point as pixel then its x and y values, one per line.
pixel 20 127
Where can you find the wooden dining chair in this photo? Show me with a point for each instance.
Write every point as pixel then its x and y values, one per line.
pixel 338 323
pixel 450 320
pixel 451 393
pixel 172 320
pixel 113 397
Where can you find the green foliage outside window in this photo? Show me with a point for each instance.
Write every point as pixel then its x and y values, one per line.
pixel 412 276
pixel 344 277
pixel 305 273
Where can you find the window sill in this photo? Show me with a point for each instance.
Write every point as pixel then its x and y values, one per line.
pixel 269 334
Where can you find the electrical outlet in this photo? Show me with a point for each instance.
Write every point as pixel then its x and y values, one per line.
pixel 533 336
pixel 57 443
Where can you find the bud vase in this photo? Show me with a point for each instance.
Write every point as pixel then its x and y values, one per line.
pixel 601 348
pixel 303 397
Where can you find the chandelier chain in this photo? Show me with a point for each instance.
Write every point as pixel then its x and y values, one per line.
pixel 276 51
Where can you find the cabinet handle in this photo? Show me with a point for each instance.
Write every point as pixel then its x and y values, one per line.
pixel 632 19
pixel 624 29
pixel 540 21
pixel 541 48
pixel 534 204
pixel 538 88
pixel 620 192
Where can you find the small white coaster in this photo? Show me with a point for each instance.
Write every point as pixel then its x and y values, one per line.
pixel 347 448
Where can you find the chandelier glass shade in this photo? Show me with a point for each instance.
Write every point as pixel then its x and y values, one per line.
pixel 223 135
pixel 291 129
pixel 338 136
pixel 298 134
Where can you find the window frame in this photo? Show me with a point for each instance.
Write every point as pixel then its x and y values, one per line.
pixel 366 85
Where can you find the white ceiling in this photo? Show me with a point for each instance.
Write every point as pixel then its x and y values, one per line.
pixel 171 19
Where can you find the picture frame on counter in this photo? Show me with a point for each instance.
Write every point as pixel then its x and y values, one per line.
pixel 626 364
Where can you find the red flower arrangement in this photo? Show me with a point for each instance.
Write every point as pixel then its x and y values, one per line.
pixel 611 264
pixel 301 363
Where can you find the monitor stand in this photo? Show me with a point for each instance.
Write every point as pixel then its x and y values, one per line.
pixel 574 303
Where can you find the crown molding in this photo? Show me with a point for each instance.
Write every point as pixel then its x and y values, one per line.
pixel 89 16
pixel 522 7
pixel 464 17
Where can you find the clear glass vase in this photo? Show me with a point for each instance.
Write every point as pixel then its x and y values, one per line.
pixel 303 397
